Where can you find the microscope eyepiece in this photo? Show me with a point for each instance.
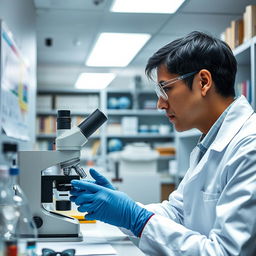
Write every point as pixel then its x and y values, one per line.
pixel 63 120
pixel 92 123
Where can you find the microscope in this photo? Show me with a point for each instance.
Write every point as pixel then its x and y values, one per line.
pixel 43 172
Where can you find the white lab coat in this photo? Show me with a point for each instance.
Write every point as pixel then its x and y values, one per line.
pixel 213 211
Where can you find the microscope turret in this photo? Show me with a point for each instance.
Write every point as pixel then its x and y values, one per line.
pixel 39 186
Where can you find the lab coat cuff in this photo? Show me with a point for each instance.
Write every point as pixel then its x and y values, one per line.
pixel 158 227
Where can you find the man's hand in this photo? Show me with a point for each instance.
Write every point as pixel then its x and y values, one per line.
pixel 98 179
pixel 108 205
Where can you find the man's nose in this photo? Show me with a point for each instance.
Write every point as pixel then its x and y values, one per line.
pixel 161 103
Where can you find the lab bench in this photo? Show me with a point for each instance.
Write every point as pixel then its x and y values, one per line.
pixel 113 236
pixel 98 239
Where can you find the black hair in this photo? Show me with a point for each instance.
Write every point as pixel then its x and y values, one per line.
pixel 194 52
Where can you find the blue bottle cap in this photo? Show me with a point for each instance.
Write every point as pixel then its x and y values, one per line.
pixel 14 171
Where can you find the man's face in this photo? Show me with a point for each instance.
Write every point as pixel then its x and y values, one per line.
pixel 183 106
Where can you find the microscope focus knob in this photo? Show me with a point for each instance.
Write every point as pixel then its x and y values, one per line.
pixel 38 221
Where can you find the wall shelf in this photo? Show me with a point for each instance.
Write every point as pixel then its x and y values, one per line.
pixel 54 113
pixel 134 112
pixel 141 135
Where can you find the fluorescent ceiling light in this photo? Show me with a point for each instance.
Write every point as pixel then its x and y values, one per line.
pixel 116 49
pixel 146 6
pixel 94 80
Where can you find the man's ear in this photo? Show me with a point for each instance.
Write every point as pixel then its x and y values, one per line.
pixel 205 80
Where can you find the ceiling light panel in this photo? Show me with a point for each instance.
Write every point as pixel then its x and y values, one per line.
pixel 146 6
pixel 94 81
pixel 116 49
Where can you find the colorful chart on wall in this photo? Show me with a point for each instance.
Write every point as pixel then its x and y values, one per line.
pixel 14 89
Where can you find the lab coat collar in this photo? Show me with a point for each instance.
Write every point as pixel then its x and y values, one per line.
pixel 237 115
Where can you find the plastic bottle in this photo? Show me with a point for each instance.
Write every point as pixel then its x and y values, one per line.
pixel 31 248
pixel 9 213
pixel 26 231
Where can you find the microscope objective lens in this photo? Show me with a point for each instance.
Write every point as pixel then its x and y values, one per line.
pixel 80 171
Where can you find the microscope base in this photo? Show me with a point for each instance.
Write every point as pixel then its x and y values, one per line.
pixel 52 238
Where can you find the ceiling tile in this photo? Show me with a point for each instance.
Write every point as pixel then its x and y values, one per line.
pixel 136 23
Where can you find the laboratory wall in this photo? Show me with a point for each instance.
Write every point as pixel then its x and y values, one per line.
pixel 20 18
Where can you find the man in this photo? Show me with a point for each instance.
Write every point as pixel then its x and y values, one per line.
pixel 213 210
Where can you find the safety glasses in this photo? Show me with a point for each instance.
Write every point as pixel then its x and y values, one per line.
pixel 161 88
pixel 50 252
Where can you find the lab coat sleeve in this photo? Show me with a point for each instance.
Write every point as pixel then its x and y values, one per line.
pixel 234 230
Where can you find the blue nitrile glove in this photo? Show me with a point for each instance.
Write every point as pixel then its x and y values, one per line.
pixel 110 206
pixel 100 179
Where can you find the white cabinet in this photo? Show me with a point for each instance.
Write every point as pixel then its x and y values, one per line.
pixel 143 187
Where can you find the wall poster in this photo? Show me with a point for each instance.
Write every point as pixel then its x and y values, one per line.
pixel 14 88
